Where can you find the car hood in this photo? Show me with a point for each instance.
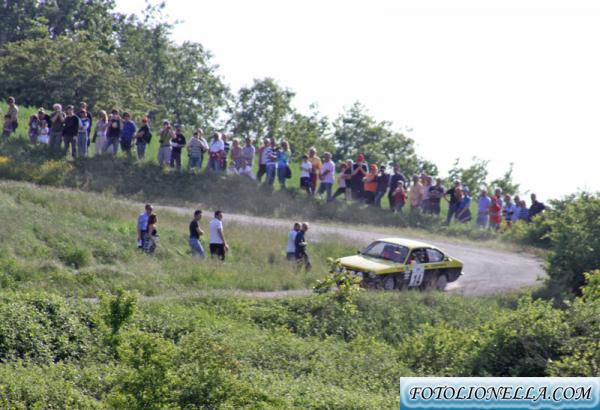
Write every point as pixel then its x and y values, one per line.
pixel 368 264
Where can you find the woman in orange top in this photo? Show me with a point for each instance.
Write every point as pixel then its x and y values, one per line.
pixel 370 184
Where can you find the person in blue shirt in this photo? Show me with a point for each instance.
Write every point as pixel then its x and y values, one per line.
pixel 142 226
pixel 463 212
pixel 127 133
pixel 483 208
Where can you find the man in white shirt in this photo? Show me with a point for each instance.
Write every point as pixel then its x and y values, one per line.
pixel 291 243
pixel 327 175
pixel 216 153
pixel 218 244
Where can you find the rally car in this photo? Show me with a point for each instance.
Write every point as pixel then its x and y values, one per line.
pixel 396 263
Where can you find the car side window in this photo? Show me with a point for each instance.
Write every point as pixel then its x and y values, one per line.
pixel 418 255
pixel 434 255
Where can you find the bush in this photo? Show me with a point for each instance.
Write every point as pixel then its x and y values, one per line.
pixel 522 342
pixel 575 238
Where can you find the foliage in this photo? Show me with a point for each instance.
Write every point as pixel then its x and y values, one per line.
pixel 473 177
pixel 346 286
pixel 306 131
pixel 505 182
pixel 262 110
pixel 67 70
pixel 575 237
pixel 355 132
pixel 117 311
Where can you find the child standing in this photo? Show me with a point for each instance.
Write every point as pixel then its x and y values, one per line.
pixel 44 136
pixel 34 129
pixel 305 172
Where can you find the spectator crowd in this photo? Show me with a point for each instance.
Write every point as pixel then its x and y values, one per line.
pixel 74 131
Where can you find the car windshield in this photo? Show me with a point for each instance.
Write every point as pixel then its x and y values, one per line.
pixel 387 251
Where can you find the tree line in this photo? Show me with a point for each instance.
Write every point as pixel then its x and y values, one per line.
pixel 84 50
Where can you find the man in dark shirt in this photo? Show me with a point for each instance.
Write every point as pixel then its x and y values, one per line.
pixel 453 198
pixel 383 181
pixel 396 177
pixel 357 174
pixel 177 143
pixel 70 131
pixel 436 192
pixel 300 243
pixel 113 135
pixel 535 208
pixel 195 234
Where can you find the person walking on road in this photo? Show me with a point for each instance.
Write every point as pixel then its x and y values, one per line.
pixel 142 226
pixel 301 245
pixel 195 234
pixel 218 244
pixel 291 244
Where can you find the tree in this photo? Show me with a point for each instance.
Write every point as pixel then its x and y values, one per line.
pixel 69 71
pixel 474 176
pixel 506 183
pixel 262 110
pixel 305 131
pixel 356 132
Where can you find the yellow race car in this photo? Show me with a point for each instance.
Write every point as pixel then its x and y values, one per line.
pixel 396 263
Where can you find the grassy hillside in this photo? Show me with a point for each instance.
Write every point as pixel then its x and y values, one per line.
pixel 77 242
pixel 192 347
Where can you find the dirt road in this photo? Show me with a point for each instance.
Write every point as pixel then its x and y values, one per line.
pixel 486 271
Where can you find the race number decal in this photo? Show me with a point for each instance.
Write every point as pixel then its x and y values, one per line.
pixel 418 273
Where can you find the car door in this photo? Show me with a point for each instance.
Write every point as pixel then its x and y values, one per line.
pixel 417 261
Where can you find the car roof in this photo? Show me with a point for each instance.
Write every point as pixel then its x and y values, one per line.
pixel 409 243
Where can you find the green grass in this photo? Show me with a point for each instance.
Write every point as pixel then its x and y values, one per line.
pixel 83 243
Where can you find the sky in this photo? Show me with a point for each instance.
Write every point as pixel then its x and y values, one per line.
pixel 512 81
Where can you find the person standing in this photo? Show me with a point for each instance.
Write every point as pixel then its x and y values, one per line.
pixel 100 134
pixel 248 152
pixel 436 193
pixel 85 116
pixel 7 128
pixel 463 211
pixel 13 112
pixel 301 247
pixel 195 234
pixel 142 139
pixel 341 178
pixel 416 195
pixel 152 235
pixel 495 212
pixel 536 207
pixel 34 129
pixel 57 124
pixel 399 197
pixel 271 153
pixel 305 168
pixel 218 244
pixel 70 132
pixel 358 172
pixel 508 210
pixel 283 163
pixel 127 134
pixel 226 149
pixel 262 159
pixel 177 143
pixel 326 175
pixel 396 177
pixel 215 153
pixel 291 243
pixel 383 181
pixel 453 201
pixel 44 137
pixel 195 151
pixel 483 208
pixel 82 136
pixel 316 168
pixel 113 134
pixel 164 150
pixel 370 184
pixel 142 226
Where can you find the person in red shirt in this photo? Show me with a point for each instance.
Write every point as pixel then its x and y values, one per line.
pixel 399 197
pixel 495 214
